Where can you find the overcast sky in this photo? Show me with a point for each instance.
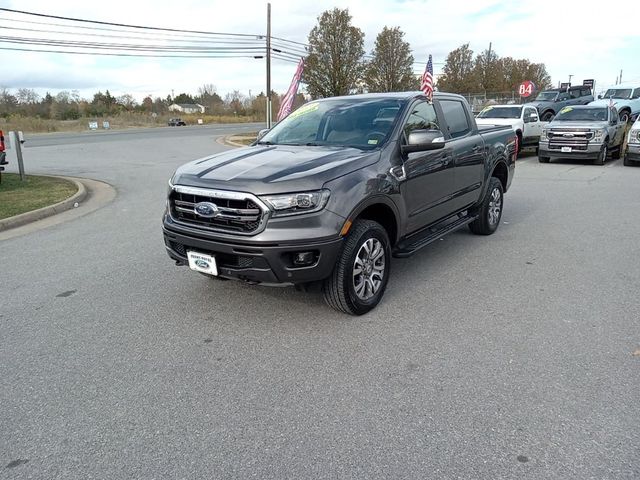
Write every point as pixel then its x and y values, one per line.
pixel 570 37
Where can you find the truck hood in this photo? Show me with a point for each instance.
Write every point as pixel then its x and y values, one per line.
pixel 499 121
pixel 578 125
pixel 269 169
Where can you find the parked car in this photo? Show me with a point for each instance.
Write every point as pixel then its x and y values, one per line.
pixel 550 102
pixel 632 155
pixel 328 195
pixel 176 122
pixel 584 132
pixel 522 119
pixel 626 99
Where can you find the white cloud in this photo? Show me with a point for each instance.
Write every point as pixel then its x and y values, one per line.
pixel 569 37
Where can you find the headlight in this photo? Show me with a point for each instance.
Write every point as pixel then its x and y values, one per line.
pixel 544 134
pixel 634 136
pixel 297 203
pixel 598 135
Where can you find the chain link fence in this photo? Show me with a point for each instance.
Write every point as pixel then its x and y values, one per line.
pixel 480 100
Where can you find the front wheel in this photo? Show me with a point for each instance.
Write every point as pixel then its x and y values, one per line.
pixel 547 116
pixel 490 210
pixel 361 273
pixel 625 116
pixel 602 156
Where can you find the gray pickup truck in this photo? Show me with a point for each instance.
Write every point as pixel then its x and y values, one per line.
pixel 583 132
pixel 332 192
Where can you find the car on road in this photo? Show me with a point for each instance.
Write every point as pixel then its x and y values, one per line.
pixel 583 132
pixel 522 119
pixel 550 102
pixel 336 189
pixel 626 99
pixel 632 154
pixel 176 122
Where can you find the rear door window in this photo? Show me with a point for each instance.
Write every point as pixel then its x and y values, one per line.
pixel 455 115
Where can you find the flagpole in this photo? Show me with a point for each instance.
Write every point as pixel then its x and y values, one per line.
pixel 268 65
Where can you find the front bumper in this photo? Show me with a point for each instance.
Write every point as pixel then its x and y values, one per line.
pixel 588 152
pixel 254 261
pixel 633 152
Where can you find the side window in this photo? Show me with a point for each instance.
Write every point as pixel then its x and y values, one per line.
pixel 530 111
pixel 456 117
pixel 636 93
pixel 423 117
pixel 613 115
pixel 575 93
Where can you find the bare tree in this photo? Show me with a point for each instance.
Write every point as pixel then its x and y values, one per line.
pixel 391 69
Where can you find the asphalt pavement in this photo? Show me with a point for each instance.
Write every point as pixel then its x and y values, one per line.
pixel 501 357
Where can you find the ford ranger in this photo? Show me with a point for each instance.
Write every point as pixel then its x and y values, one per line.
pixel 336 189
pixel 583 132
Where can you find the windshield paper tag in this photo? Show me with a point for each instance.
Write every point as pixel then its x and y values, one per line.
pixel 304 109
pixel 566 109
pixel 372 141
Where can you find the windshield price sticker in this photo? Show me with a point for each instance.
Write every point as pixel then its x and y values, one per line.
pixel 566 109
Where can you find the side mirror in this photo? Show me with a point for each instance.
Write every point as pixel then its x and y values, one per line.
pixel 262 133
pixel 599 97
pixel 423 140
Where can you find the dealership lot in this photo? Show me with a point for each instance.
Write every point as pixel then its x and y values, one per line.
pixel 509 356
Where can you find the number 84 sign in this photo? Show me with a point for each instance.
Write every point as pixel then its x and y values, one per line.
pixel 526 89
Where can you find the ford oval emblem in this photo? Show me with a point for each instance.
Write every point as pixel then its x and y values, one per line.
pixel 201 263
pixel 206 209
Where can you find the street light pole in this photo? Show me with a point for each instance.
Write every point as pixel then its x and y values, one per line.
pixel 268 65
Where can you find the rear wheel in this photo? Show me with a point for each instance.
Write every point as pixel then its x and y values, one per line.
pixel 360 276
pixel 625 116
pixel 616 153
pixel 490 210
pixel 543 159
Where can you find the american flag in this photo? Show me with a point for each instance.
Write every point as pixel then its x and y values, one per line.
pixel 289 97
pixel 427 79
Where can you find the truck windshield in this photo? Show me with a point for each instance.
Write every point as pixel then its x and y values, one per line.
pixel 547 96
pixel 568 114
pixel 363 123
pixel 618 93
pixel 500 112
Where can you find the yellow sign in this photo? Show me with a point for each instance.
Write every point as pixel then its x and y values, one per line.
pixel 304 109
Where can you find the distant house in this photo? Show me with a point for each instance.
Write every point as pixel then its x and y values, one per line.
pixel 187 107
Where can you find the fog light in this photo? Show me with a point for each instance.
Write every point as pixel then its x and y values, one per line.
pixel 301 259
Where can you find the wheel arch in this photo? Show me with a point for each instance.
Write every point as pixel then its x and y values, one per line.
pixel 382 210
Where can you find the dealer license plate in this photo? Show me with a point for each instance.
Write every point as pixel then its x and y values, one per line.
pixel 566 149
pixel 201 262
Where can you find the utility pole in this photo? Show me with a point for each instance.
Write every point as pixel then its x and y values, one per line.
pixel 570 76
pixel 620 76
pixel 268 65
pixel 486 65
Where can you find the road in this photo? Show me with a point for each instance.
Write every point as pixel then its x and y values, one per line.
pixel 501 357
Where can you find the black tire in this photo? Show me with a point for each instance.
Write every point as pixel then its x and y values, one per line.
pixel 602 156
pixel 627 162
pixel 616 153
pixel 340 288
pixel 519 135
pixel 625 116
pixel 547 116
pixel 488 218
pixel 543 159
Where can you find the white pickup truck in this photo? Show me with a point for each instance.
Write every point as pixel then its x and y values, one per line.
pixel 523 119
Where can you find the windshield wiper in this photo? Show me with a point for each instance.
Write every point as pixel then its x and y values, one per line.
pixel 264 142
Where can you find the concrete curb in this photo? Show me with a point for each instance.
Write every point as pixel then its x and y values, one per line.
pixel 44 212
pixel 226 140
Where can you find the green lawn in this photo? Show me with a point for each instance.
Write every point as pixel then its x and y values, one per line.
pixel 18 197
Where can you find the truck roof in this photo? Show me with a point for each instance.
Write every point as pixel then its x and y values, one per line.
pixel 397 95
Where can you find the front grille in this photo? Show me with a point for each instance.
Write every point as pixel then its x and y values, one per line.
pixel 576 139
pixel 235 214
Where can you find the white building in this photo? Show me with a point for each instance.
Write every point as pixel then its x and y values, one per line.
pixel 187 108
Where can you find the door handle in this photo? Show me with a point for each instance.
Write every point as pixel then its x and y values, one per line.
pixel 475 149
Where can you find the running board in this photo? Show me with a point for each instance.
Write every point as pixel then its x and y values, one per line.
pixel 418 240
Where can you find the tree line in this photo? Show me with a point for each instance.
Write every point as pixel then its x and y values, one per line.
pixel 337 65
pixel 69 105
